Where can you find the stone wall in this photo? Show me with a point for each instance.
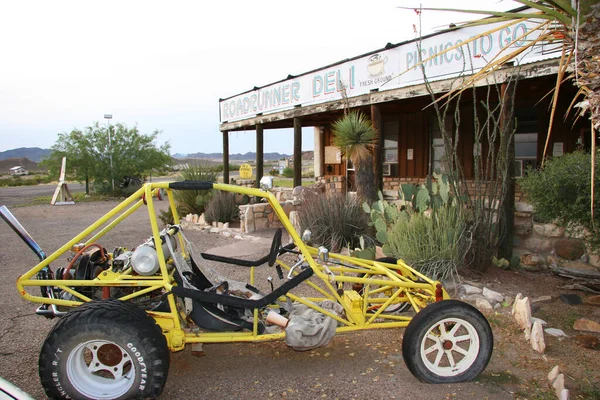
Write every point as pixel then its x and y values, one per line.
pixel 332 183
pixel 256 217
pixel 392 185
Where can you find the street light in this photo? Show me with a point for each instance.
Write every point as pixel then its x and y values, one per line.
pixel 108 117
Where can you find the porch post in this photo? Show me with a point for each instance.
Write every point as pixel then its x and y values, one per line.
pixel 378 148
pixel 318 155
pixel 259 154
pixel 225 156
pixel 297 152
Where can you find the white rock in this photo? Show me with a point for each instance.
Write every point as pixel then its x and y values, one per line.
pixel 194 219
pixel 468 289
pixel 522 313
pixel 188 218
pixel 548 230
pixel 226 225
pixel 215 230
pixel 564 394
pixel 559 385
pixel 537 337
pixel 555 332
pixel 214 223
pixel 226 234
pixel 553 373
pixel 491 295
pixel 533 319
pixel 523 207
pixel 497 306
pixel 519 297
pixel 201 220
pixel 219 225
pixel 238 237
pixel 483 305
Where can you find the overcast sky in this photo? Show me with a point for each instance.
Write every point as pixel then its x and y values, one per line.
pixel 164 64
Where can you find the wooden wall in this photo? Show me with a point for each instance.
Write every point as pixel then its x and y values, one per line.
pixel 413 121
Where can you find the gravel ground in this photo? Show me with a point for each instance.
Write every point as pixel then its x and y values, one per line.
pixel 363 365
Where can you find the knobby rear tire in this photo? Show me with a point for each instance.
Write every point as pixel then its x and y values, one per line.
pixel 105 349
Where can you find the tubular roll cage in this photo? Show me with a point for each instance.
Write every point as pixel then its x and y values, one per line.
pixel 397 282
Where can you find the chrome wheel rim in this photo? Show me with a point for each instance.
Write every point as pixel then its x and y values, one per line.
pixel 100 369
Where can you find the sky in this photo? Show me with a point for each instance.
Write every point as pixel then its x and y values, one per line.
pixel 164 65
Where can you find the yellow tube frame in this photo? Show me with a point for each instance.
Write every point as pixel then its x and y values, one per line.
pixel 404 283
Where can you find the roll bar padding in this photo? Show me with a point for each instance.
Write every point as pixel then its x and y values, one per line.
pixel 191 185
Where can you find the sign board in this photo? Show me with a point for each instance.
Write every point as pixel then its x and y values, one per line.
pixel 409 154
pixel 391 69
pixel 333 155
pixel 557 149
pixel 62 195
pixel 245 171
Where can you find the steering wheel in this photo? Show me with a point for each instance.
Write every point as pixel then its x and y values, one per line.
pixel 275 247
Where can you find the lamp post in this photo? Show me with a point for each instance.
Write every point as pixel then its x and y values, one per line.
pixel 108 117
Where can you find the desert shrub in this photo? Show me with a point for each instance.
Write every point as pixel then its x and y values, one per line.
pixel 288 172
pixel 430 231
pixel 335 220
pixel 221 208
pixel 274 172
pixel 166 217
pixel 435 243
pixel 561 192
pixel 195 201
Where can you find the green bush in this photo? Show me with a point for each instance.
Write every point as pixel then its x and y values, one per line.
pixel 30 181
pixel 335 220
pixel 434 243
pixel 288 172
pixel 221 208
pixel 429 232
pixel 274 172
pixel 195 201
pixel 561 192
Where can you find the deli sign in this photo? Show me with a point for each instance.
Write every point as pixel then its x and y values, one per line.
pixel 389 69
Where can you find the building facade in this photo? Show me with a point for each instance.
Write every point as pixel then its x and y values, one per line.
pixel 389 85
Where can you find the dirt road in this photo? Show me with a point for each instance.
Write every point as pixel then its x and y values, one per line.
pixel 364 365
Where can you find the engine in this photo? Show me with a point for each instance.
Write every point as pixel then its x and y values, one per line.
pixel 87 262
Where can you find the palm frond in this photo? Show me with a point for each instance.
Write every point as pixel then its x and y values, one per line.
pixel 495 64
pixel 562 68
pixel 505 14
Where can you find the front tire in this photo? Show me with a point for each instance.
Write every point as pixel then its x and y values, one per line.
pixel 104 350
pixel 447 342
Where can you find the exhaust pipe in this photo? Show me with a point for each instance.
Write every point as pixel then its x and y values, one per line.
pixel 23 234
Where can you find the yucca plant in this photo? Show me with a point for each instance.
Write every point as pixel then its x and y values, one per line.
pixel 195 201
pixel 355 136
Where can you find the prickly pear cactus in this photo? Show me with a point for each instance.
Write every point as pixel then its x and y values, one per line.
pixel 434 194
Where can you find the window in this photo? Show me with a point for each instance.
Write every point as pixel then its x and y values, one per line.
pixel 525 141
pixel 391 132
pixel 438 151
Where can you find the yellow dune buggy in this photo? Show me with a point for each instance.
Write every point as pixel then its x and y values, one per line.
pixel 122 312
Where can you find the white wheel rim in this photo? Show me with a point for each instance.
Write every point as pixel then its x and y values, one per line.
pixel 450 347
pixel 100 369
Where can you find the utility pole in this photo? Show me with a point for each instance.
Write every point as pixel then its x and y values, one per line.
pixel 108 117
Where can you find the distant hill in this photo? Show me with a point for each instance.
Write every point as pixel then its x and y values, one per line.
pixel 234 157
pixel 34 154
pixel 308 155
